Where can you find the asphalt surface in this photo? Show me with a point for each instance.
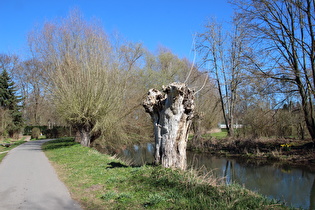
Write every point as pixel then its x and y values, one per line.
pixel 28 181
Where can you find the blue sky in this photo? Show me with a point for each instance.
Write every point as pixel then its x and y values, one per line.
pixel 168 23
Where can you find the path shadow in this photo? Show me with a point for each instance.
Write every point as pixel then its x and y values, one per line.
pixel 120 165
pixel 59 143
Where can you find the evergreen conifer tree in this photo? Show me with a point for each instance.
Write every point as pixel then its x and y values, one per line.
pixel 9 100
pixel 2 91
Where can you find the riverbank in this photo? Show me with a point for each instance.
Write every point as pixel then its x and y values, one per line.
pixel 100 181
pixel 283 151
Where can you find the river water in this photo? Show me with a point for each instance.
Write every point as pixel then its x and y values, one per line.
pixel 293 186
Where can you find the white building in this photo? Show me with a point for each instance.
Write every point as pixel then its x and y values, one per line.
pixel 222 125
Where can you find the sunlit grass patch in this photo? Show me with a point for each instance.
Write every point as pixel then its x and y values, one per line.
pixel 100 181
pixel 219 135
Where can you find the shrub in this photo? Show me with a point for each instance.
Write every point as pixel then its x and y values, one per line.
pixel 28 129
pixel 58 132
pixel 36 133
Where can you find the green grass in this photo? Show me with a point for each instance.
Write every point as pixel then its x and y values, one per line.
pixel 100 181
pixel 219 135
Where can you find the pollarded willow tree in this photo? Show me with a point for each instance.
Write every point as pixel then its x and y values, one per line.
pixel 171 111
pixel 85 84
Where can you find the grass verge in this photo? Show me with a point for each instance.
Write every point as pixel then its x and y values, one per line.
pixel 4 150
pixel 100 181
pixel 219 135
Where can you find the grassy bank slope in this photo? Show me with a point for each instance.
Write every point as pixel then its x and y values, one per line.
pixel 99 181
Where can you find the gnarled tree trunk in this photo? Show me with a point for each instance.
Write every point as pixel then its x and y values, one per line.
pixel 171 111
pixel 85 135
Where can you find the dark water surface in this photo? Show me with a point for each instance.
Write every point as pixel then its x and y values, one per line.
pixel 294 186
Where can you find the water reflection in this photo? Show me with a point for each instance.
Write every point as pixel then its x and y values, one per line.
pixel 295 187
pixel 139 154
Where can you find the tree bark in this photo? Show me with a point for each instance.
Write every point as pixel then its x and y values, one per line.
pixel 85 134
pixel 171 111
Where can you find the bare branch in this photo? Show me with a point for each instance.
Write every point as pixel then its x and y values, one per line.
pixel 193 63
pixel 204 84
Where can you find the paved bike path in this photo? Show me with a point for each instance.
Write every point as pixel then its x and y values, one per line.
pixel 28 181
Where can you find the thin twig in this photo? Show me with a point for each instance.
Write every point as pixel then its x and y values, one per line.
pixel 193 64
pixel 204 84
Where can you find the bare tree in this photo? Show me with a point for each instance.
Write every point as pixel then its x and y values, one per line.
pixel 223 51
pixel 130 53
pixel 282 32
pixel 8 62
pixel 29 77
